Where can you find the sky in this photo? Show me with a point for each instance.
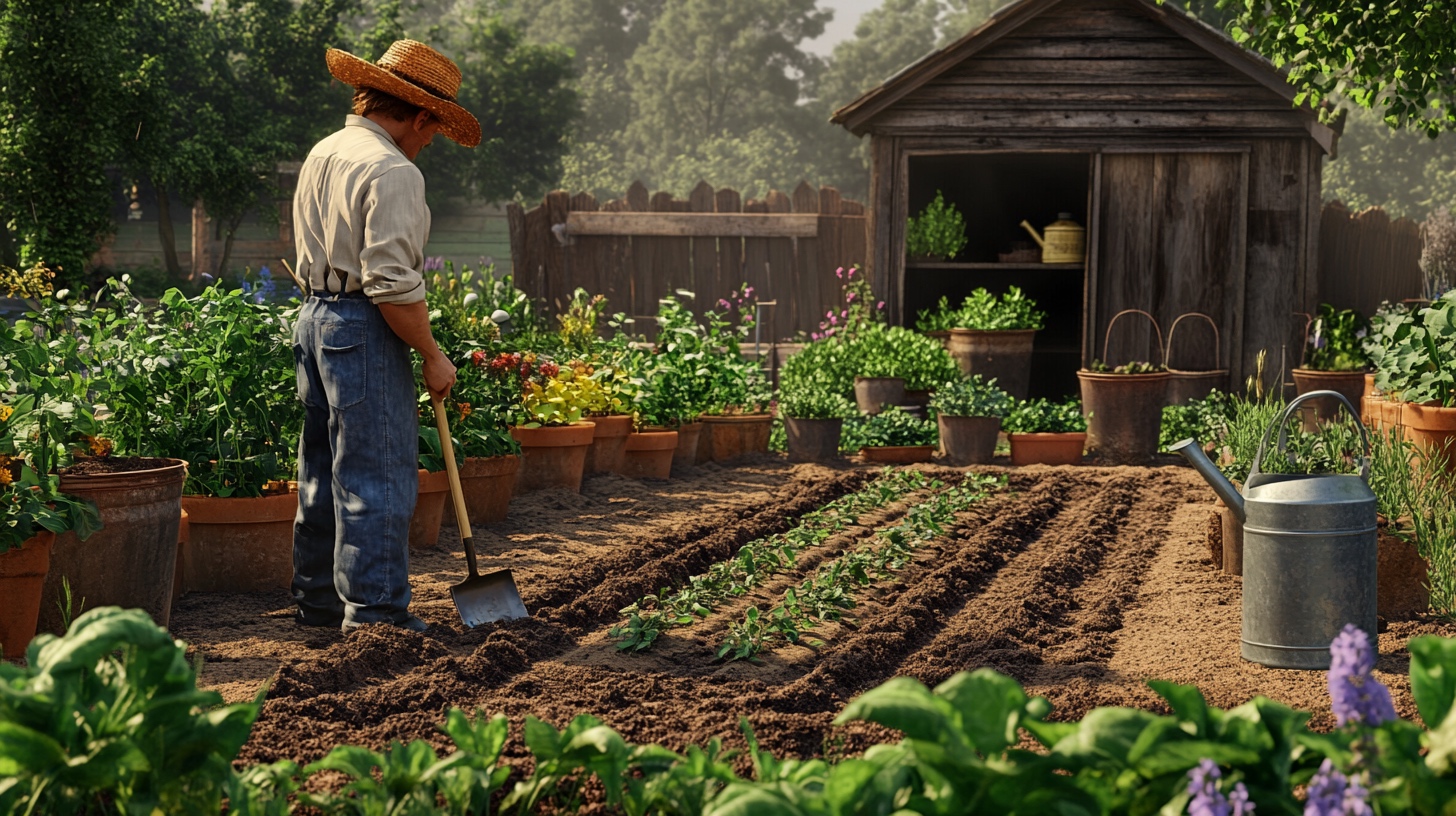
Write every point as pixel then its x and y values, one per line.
pixel 846 15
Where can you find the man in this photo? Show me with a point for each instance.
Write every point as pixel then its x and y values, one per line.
pixel 361 223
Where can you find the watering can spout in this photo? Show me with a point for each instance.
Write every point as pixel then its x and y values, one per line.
pixel 1034 234
pixel 1190 450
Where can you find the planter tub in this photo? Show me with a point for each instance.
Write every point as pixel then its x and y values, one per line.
pixel 689 436
pixel 1124 414
pixel 22 577
pixel 1432 429
pixel 898 454
pixel 648 455
pixel 1350 384
pixel 608 443
pixel 239 545
pixel 729 437
pixel 424 528
pixel 1186 386
pixel 132 560
pixel 487 484
pixel 1047 448
pixel 179 574
pixel 1367 398
pixel 968 440
pixel 1003 355
pixel 874 393
pixel 813 440
pixel 553 457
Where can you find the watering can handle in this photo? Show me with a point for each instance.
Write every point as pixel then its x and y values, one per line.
pixel 1282 424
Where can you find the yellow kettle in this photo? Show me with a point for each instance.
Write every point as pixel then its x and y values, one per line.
pixel 1065 242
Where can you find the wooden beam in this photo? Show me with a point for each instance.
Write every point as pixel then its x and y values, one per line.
pixel 674 224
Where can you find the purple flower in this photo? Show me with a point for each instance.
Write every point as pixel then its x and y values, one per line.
pixel 1355 695
pixel 434 263
pixel 1331 793
pixel 1208 800
pixel 265 272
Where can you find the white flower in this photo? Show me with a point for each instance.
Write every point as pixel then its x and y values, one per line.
pixel 61 294
pixel 471 298
pixel 499 316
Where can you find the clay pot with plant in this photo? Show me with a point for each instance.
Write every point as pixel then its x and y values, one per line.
pixel 813 421
pixel 992 336
pixel 547 419
pixel 1414 352
pixel 1334 360
pixel 968 411
pixel 739 412
pixel 892 436
pixel 1042 432
pixel 1186 385
pixel 937 233
pixel 1124 403
pixel 677 387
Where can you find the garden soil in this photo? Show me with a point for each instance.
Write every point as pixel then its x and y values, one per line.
pixel 1081 582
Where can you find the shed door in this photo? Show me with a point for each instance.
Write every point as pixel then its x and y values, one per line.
pixel 1169 233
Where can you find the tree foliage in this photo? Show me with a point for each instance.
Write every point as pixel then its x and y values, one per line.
pixel 1401 171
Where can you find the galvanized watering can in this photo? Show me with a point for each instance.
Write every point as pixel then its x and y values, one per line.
pixel 1309 551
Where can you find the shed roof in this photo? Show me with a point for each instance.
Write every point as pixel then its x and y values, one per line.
pixel 1011 26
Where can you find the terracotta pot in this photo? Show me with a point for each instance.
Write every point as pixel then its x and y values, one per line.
pixel 1403 577
pixel 689 436
pixel 1124 414
pixel 239 545
pixel 813 440
pixel 1047 448
pixel 1233 539
pixel 1432 428
pixel 968 440
pixel 898 454
pixel 874 393
pixel 1367 399
pixel 1004 355
pixel 648 455
pixel 430 508
pixel 22 578
pixel 1350 385
pixel 132 560
pixel 1186 386
pixel 487 484
pixel 553 457
pixel 179 574
pixel 608 444
pixel 729 437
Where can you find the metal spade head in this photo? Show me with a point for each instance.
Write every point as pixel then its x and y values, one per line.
pixel 487 598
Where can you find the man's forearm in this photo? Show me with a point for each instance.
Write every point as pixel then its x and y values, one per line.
pixel 411 321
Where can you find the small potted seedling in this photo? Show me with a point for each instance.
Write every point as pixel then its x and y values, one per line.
pixel 968 412
pixel 893 436
pixel 1043 432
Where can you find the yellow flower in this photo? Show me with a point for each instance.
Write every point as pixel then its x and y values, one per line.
pixel 100 445
pixel 465 409
pixel 5 412
pixel 5 477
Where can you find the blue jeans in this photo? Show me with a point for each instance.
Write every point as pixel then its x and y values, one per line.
pixel 357 465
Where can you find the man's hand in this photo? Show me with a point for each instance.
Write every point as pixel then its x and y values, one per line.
pixel 439 375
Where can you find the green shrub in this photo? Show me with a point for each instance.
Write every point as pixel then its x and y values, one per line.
pixel 813 403
pixel 938 231
pixel 1335 341
pixel 892 427
pixel 983 311
pixel 1045 416
pixel 1414 352
pixel 970 397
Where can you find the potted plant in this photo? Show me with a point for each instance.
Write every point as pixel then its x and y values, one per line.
pixel 739 413
pixel 479 412
pixel 676 374
pixel 610 407
pixel 992 336
pixel 210 380
pixel 968 412
pixel 1124 403
pixel 937 322
pixel 547 419
pixel 813 421
pixel 1334 360
pixel 1415 362
pixel 434 492
pixel 1186 385
pixel 894 436
pixel 57 373
pixel 937 233
pixel 33 510
pixel 1042 432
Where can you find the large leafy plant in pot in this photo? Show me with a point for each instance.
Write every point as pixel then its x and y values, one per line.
pixel 813 419
pixel 1414 352
pixel 1334 358
pixel 892 436
pixel 738 415
pixel 992 336
pixel 547 420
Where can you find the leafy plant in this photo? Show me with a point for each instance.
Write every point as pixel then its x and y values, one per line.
pixel 1415 352
pixel 970 397
pixel 808 402
pixel 579 322
pixel 677 372
pixel 892 427
pixel 738 385
pixel 938 231
pixel 432 455
pixel 1044 416
pixel 1197 419
pixel 550 394
pixel 894 351
pixel 1126 368
pixel 983 311
pixel 1334 342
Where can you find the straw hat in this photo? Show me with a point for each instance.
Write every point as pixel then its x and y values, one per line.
pixel 417 74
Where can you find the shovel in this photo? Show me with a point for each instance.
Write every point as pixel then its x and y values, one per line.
pixel 479 598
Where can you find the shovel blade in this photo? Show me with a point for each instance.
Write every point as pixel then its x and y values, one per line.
pixel 487 598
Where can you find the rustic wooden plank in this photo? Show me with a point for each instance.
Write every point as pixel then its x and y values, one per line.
pixel 756 270
pixel 704 249
pixel 730 271
pixel 1193 70
pixel 532 279
pixel 1275 233
pixel 583 259
pixel 781 270
pixel 677 268
pixel 1067 23
pixel 1125 246
pixel 644 258
pixel 960 120
pixel 615 257
pixel 520 241
pixel 1090 276
pixel 1088 93
pixel 813 293
pixel 557 292
pixel 885 261
pixel 1103 47
pixel 671 224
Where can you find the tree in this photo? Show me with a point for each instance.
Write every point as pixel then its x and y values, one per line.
pixel 1401 171
pixel 63 67
pixel 712 69
pixel 1397 57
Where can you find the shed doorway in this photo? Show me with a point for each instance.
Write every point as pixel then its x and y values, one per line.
pixel 995 192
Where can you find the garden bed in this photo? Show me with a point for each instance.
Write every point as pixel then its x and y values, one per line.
pixel 1080 582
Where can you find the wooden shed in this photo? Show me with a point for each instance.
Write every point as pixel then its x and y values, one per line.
pixel 1181 152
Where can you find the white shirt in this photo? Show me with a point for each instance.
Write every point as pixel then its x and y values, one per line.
pixel 359 209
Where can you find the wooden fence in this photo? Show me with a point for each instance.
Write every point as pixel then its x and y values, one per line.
pixel 1365 258
pixel 643 247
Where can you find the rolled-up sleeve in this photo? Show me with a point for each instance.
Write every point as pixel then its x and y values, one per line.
pixel 396 226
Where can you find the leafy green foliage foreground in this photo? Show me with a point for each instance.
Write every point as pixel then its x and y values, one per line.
pixel 108 719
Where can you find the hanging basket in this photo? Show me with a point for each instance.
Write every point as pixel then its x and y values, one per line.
pixel 1185 386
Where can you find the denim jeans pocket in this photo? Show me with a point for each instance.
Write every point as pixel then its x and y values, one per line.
pixel 343 363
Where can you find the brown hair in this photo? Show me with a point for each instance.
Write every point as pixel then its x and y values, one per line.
pixel 373 100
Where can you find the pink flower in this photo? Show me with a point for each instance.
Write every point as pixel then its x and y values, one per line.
pixel 844 313
pixel 839 273
pixel 849 298
pixel 725 304
pixel 880 305
pixel 829 313
pixel 748 292
pixel 833 321
pixel 850 273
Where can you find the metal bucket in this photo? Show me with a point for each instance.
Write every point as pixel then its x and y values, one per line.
pixel 1310 556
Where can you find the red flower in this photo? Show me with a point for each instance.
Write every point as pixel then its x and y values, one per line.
pixel 477 357
pixel 550 370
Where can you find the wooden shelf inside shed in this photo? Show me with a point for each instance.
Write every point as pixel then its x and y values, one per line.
pixel 1066 267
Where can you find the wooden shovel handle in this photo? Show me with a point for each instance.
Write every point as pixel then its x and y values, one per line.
pixel 447 447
